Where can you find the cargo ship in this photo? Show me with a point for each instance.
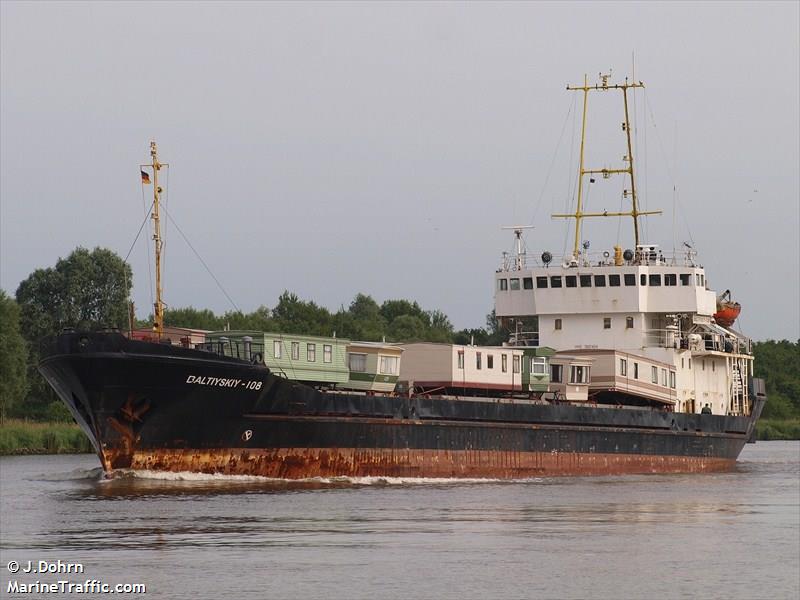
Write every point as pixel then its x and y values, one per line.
pixel 617 362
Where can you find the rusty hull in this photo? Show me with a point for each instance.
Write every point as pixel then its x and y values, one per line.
pixel 302 463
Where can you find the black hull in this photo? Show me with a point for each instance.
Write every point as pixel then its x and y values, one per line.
pixel 154 406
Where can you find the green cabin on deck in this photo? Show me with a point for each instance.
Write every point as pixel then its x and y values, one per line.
pixel 536 368
pixel 374 366
pixel 307 358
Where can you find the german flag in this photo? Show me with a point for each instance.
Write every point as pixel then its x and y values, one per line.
pixel 145 177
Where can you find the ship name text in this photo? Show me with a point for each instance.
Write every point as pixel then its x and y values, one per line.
pixel 224 382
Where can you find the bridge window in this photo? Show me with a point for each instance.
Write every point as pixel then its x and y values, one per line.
pixel 357 363
pixel 514 283
pixel 613 280
pixel 311 352
pixel 623 367
pixel 502 284
pixel 630 279
pixel 327 353
pixel 670 279
pixel 607 323
pixel 571 281
pixel 557 324
pixel 586 281
pixel 541 282
pixel 697 279
pixel 527 283
pixel 686 279
pixel 295 350
pixel 655 279
pixel 599 281
pixel 628 322
pixel 555 282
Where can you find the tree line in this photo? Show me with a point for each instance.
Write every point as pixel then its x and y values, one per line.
pixel 90 290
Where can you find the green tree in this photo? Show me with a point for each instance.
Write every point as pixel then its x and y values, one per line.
pixel 407 328
pixel 13 357
pixel 293 315
pixel 87 290
pixel 391 309
pixel 778 363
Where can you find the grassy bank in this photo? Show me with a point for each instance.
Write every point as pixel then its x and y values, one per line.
pixel 29 437
pixel 773 429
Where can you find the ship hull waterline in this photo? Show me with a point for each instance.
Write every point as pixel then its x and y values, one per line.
pixel 144 406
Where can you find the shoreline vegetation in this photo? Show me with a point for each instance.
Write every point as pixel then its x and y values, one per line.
pixel 20 437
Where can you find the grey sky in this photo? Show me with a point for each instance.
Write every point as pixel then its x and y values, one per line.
pixel 330 149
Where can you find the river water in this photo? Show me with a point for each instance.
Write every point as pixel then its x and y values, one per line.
pixel 729 535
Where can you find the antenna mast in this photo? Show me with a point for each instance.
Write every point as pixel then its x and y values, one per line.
pixel 604 86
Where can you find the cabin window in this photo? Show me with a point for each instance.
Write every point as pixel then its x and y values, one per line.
pixel 579 374
pixel 556 372
pixel 527 283
pixel 276 349
pixel 686 279
pixel 690 363
pixel 490 361
pixel 571 281
pixel 628 322
pixel 670 279
pixel 388 365
pixel 712 365
pixel 606 322
pixel 504 363
pixel 514 283
pixel 672 379
pixel 461 360
pixel 682 364
pixel 311 352
pixel 555 281
pixel 295 350
pixel 327 353
pixel 599 281
pixel 502 284
pixel 478 360
pixel 541 282
pixel 630 279
pixel 613 280
pixel 654 374
pixel 655 279
pixel 704 364
pixel 636 370
pixel 654 323
pixel 586 280
pixel 623 367
pixel 642 279
pixel 557 324
pixel 515 364
pixel 538 365
pixel 357 363
pixel 664 377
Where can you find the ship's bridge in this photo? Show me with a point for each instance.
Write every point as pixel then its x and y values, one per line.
pixel 647 281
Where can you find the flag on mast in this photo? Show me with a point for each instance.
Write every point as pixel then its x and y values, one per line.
pixel 145 177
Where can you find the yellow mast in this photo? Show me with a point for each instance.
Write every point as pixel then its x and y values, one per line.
pixel 606 173
pixel 158 305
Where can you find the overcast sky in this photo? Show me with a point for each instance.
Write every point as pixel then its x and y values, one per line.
pixel 331 149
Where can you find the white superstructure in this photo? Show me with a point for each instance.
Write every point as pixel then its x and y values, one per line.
pixel 641 302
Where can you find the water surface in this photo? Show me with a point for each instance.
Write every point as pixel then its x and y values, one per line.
pixel 727 535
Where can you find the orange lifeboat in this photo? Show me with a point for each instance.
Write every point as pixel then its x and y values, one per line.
pixel 727 309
